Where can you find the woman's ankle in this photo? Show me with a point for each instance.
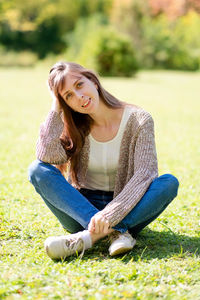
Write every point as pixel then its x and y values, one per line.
pixel 97 236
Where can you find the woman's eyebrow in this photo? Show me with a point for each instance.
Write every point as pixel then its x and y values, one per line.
pixel 73 85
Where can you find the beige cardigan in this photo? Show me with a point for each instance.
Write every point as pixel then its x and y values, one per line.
pixel 137 160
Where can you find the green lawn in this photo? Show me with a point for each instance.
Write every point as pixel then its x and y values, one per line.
pixel 165 262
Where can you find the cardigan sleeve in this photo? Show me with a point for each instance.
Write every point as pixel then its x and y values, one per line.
pixel 145 170
pixel 49 148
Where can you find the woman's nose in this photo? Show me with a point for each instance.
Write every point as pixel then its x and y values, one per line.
pixel 79 95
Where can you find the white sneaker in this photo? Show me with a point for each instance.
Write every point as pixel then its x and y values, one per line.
pixel 121 243
pixel 59 247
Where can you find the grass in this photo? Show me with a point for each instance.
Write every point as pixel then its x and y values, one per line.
pixel 165 261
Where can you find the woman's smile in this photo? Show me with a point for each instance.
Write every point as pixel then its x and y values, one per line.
pixel 87 103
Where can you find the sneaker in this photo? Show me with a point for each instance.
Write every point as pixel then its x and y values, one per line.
pixel 59 247
pixel 121 243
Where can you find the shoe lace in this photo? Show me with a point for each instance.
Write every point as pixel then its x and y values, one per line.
pixel 115 235
pixel 126 234
pixel 74 244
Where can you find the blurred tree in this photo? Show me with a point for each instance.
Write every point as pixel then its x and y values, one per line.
pixel 97 45
pixel 127 17
pixel 164 32
pixel 194 4
pixel 171 45
pixel 173 8
pixel 39 25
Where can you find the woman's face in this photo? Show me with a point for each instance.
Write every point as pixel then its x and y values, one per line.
pixel 80 93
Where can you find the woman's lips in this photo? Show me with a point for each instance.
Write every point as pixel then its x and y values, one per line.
pixel 87 103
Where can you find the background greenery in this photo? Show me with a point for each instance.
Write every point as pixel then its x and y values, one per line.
pixel 116 38
pixel 112 36
pixel 165 261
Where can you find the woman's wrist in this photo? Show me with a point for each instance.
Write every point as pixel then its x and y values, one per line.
pixel 56 106
pixel 55 103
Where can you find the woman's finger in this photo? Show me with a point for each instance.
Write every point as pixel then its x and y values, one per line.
pixel 97 225
pixel 106 227
pixel 91 226
pixel 101 225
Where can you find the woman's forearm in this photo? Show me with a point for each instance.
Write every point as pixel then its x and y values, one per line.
pixel 49 148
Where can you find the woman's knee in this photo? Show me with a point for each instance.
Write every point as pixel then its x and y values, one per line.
pixel 171 183
pixel 34 170
pixel 38 171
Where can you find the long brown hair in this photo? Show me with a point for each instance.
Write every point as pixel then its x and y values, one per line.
pixel 76 125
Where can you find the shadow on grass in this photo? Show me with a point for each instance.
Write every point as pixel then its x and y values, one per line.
pixel 150 245
pixel 165 244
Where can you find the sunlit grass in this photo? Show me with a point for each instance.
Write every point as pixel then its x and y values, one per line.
pixel 165 262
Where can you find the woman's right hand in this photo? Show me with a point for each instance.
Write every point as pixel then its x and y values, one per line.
pixel 55 103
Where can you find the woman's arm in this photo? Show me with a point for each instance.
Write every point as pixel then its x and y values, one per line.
pixel 49 148
pixel 145 170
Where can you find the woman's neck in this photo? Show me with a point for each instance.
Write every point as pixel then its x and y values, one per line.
pixel 105 116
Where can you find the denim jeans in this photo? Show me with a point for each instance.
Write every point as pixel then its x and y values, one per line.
pixel 74 208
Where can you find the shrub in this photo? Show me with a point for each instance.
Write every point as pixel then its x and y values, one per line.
pixel 114 55
pixel 101 47
pixel 171 44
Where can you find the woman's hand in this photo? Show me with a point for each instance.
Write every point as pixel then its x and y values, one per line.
pixel 98 224
pixel 55 103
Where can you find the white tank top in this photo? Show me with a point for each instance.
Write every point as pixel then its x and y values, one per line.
pixel 103 159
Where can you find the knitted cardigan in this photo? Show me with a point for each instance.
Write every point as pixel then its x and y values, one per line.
pixel 137 165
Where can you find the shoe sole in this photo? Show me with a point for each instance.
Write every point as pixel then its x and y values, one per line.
pixel 120 250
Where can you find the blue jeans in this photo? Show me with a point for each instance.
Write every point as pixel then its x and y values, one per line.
pixel 74 208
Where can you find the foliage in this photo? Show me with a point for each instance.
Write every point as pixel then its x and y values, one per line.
pixel 39 26
pixel 173 8
pixel 100 47
pixel 161 41
pixel 115 54
pixel 165 262
pixel 127 16
pixel 147 34
pixel 174 45
pixel 84 30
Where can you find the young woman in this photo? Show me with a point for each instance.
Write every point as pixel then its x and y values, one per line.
pixel 106 150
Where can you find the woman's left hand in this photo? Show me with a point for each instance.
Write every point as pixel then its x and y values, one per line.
pixel 98 224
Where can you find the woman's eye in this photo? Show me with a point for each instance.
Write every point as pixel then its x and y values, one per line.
pixel 79 84
pixel 68 96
